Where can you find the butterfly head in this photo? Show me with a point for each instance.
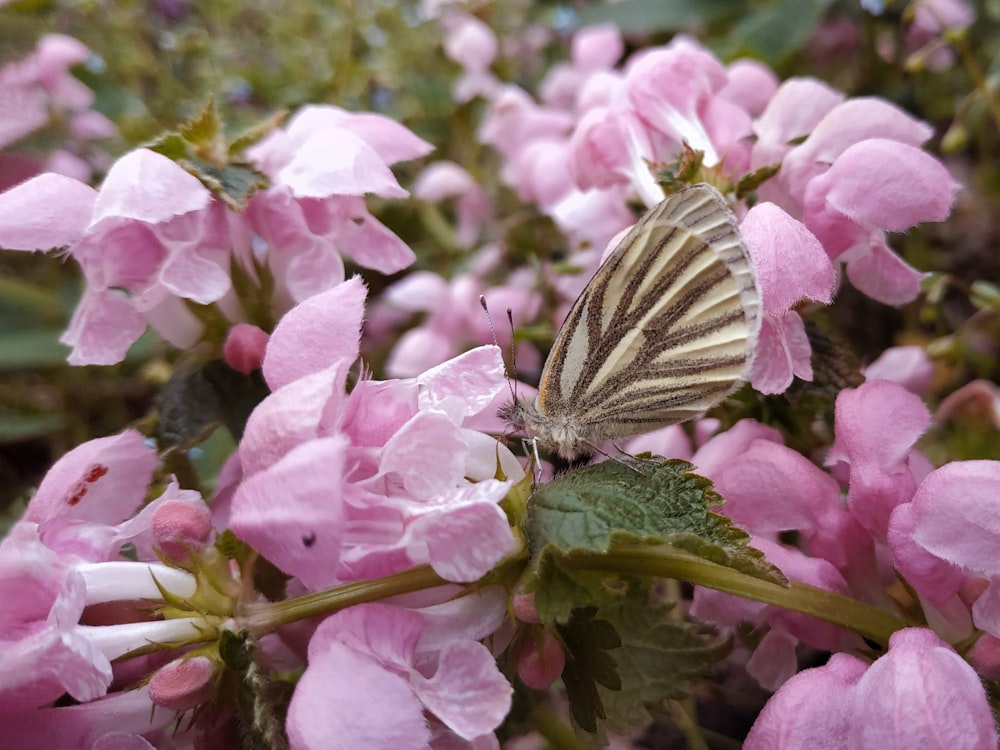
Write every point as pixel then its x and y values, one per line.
pixel 557 434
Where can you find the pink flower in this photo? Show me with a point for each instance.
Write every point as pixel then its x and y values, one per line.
pixel 950 532
pixel 473 45
pixel 907 365
pixel 321 165
pixel 791 266
pixel 377 673
pixel 152 236
pixel 377 480
pixel 444 180
pixel 874 186
pixel 877 425
pixel 920 694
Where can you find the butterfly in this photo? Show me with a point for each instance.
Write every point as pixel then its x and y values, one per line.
pixel 664 330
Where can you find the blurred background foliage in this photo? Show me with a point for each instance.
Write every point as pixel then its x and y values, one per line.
pixel 154 64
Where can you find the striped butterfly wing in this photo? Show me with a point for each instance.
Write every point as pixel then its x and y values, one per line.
pixel 665 329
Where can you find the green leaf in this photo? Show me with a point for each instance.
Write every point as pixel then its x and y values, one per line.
pixel 774 31
pixel 655 15
pixel 660 659
pixel 171 144
pixel 653 501
pixel 203 128
pixel 256 132
pixel 626 657
pixel 233 183
pixel 587 641
pixel 192 401
pixel 32 348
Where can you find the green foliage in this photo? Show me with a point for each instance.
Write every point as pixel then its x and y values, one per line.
pixel 627 651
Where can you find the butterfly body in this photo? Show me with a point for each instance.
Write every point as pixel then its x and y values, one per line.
pixel 664 331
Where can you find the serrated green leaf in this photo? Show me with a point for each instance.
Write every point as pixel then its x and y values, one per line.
pixel 190 402
pixel 171 144
pixel 232 183
pixel 204 127
pixel 660 501
pixel 587 640
pixel 256 132
pixel 660 658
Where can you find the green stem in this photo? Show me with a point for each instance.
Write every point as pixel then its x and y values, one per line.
pixel 960 41
pixel 265 618
pixel 668 562
pixel 558 734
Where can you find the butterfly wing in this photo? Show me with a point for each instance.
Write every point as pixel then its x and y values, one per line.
pixel 665 329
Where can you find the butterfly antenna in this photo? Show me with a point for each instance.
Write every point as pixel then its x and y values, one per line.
pixel 512 376
pixel 513 356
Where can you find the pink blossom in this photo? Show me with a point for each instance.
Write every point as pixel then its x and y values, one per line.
pixel 876 427
pixel 397 677
pixel 791 266
pixel 373 481
pixel 907 365
pixel 921 693
pixel 151 233
pixel 951 531
pixel 473 45
pixel 874 186
pixel 320 165
pixel 443 180
pixel 931 20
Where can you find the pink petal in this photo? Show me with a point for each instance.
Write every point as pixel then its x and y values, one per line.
pixel 464 385
pixel 921 694
pixel 316 334
pixel 782 351
pixel 104 325
pixel 796 108
pixel 293 513
pixel 46 211
pixel 337 162
pixel 390 140
pixel 101 480
pixel 907 365
pixel 289 416
pixel 717 452
pixel 882 275
pixel 471 513
pixel 369 243
pixel 936 579
pixel 750 84
pixel 346 700
pixel 953 518
pixel 147 186
pixel 774 661
pixel 770 488
pixel 890 185
pixel 467 692
pixel 812 711
pixel 427 453
pixel 790 262
pixel 597 47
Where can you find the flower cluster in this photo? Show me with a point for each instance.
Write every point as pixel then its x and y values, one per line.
pixel 365 547
pixel 39 91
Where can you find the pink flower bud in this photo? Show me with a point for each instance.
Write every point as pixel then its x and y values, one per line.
pixel 180 526
pixel 183 684
pixel 539 666
pixel 244 347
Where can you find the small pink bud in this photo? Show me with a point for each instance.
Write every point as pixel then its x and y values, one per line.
pixel 524 608
pixel 183 684
pixel 180 526
pixel 540 666
pixel 244 347
pixel 985 656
